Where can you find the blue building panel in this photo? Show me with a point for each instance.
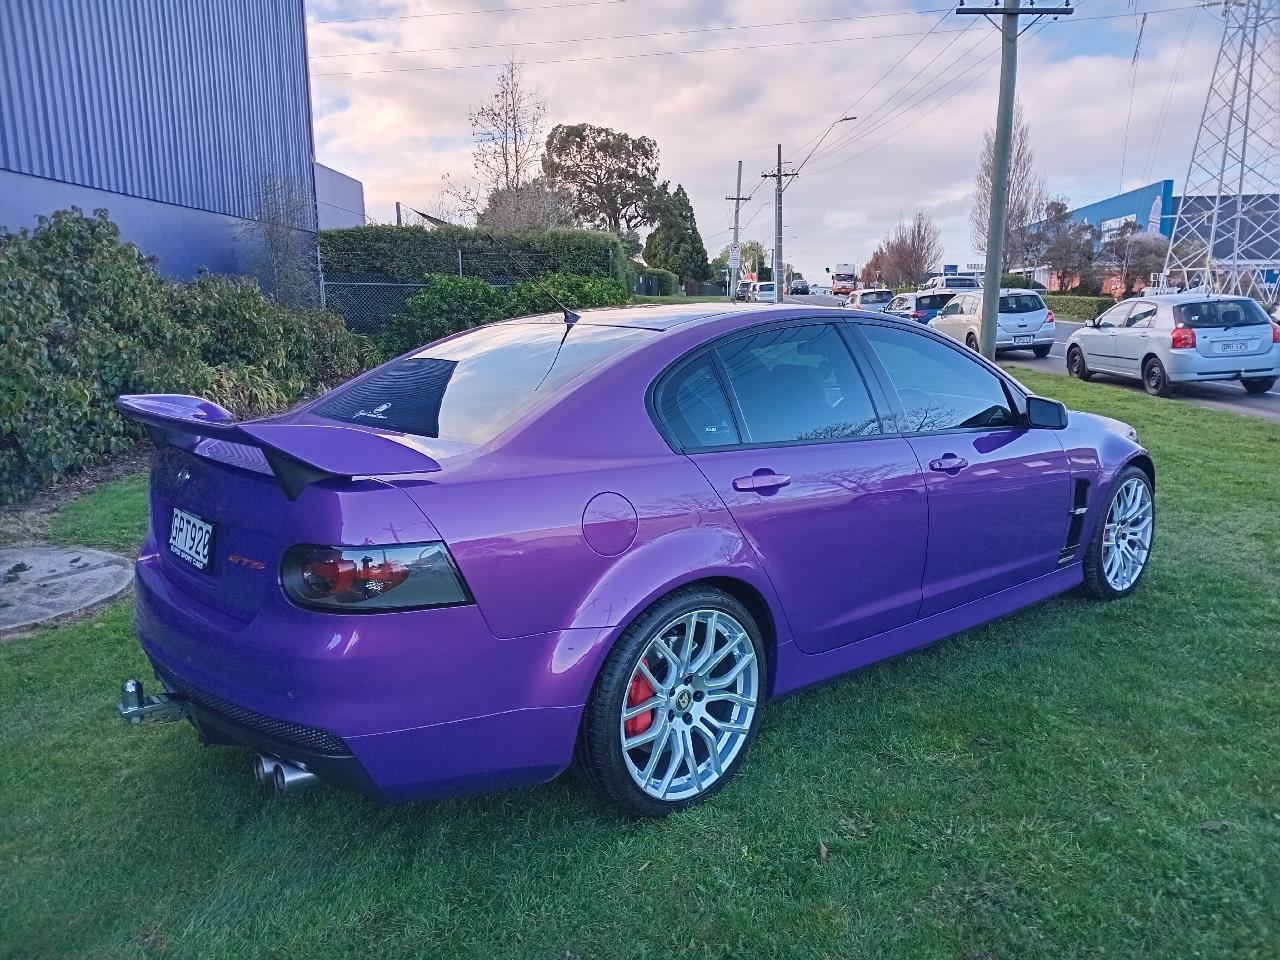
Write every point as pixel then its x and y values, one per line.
pixel 1151 207
pixel 130 103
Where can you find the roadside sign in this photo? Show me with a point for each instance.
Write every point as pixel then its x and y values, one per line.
pixel 735 256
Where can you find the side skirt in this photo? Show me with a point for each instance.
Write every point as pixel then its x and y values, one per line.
pixel 796 670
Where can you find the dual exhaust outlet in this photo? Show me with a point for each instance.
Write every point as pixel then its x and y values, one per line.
pixel 282 775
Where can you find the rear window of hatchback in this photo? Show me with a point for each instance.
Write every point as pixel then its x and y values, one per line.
pixel 1021 303
pixel 1220 313
pixel 934 301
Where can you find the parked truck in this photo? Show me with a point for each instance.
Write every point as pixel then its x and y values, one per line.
pixel 844 279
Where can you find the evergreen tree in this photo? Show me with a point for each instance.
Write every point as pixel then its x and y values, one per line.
pixel 676 245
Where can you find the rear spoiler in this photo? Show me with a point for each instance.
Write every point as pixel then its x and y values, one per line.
pixel 299 454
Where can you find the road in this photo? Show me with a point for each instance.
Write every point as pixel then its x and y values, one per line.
pixel 1217 396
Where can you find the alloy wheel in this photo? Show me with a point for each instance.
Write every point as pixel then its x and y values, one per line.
pixel 1126 537
pixel 690 703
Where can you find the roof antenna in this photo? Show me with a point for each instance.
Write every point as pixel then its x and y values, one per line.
pixel 570 318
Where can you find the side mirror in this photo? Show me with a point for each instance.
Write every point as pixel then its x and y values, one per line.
pixel 1046 414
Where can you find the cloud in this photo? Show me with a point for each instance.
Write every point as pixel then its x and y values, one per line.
pixel 914 148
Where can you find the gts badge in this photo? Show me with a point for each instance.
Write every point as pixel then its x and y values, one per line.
pixel 248 562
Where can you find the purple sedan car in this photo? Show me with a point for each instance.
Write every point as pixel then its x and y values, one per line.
pixel 607 541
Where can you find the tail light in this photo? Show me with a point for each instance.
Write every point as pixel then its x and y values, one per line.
pixel 1184 338
pixel 1049 319
pixel 373 578
pixel 918 314
pixel 1275 332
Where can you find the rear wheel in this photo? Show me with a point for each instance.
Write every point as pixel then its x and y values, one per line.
pixel 1154 378
pixel 676 704
pixel 1117 555
pixel 971 342
pixel 1259 384
pixel 1042 351
pixel 1076 366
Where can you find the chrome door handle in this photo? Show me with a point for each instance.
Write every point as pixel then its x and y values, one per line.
pixel 948 464
pixel 761 482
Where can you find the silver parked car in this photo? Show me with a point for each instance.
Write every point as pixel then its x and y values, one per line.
pixel 1180 338
pixel 1023 323
pixel 762 292
pixel 874 300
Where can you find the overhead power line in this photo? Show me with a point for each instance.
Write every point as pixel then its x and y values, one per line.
pixel 629 36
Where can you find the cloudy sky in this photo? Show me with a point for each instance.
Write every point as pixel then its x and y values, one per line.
pixel 716 82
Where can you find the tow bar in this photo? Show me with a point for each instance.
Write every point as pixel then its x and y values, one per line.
pixel 135 706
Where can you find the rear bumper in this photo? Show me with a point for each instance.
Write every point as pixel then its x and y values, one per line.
pixel 1041 338
pixel 401 706
pixel 1182 366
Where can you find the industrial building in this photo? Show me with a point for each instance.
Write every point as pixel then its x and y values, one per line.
pixel 178 118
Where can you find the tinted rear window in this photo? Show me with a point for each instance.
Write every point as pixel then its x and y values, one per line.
pixel 934 301
pixel 472 388
pixel 877 296
pixel 1020 303
pixel 1220 313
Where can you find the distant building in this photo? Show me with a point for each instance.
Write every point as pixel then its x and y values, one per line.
pixel 339 199
pixel 177 117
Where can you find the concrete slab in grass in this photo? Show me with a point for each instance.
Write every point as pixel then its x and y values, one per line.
pixel 42 583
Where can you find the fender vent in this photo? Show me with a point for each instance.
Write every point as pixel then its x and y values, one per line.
pixel 1079 509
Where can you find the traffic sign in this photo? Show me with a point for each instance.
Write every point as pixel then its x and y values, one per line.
pixel 735 255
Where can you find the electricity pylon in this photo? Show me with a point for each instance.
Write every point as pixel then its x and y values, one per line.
pixel 1226 234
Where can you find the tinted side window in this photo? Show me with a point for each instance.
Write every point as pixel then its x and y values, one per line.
pixel 798 383
pixel 1115 316
pixel 693 405
pixel 1141 316
pixel 940 388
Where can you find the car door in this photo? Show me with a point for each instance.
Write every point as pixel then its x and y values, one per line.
pixel 999 492
pixel 946 320
pixel 1131 339
pixel 1098 339
pixel 832 503
pixel 969 319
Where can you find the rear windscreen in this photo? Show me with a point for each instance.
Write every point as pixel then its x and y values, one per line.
pixel 877 296
pixel 473 387
pixel 1220 313
pixel 1020 303
pixel 933 301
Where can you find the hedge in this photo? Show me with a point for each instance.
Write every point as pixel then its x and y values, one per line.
pixel 1083 309
pixel 451 304
pixel 408 254
pixel 84 317
pixel 664 282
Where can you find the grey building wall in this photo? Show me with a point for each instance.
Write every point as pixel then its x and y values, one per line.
pixel 339 199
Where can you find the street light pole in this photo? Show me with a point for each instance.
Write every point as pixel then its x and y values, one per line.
pixel 1008 14
pixel 778 177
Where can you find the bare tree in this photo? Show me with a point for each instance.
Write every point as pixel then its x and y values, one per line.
pixel 1027 195
pixel 911 250
pixel 281 239
pixel 506 134
pixel 534 205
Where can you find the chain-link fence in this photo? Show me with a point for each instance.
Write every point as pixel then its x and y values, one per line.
pixel 367 305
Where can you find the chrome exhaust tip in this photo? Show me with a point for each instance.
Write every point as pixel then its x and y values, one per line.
pixel 290 778
pixel 264 768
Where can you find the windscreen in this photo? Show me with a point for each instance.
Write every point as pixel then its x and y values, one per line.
pixel 473 387
pixel 1220 313
pixel 933 301
pixel 843 277
pixel 1020 303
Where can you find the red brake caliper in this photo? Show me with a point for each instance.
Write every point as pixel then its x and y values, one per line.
pixel 640 691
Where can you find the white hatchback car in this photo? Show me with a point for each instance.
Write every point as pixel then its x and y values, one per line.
pixel 1180 338
pixel 1023 323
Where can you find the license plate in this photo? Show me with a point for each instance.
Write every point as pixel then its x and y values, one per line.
pixel 189 538
pixel 1233 346
pixel 1024 341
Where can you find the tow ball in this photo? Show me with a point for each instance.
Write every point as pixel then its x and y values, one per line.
pixel 135 706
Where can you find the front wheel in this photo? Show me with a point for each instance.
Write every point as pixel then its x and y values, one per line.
pixel 1258 384
pixel 676 704
pixel 1154 378
pixel 1117 554
pixel 1076 366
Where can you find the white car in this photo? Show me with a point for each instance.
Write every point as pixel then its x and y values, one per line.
pixel 1023 323
pixel 876 300
pixel 762 292
pixel 1180 338
pixel 950 282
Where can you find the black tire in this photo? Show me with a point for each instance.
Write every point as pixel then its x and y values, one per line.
pixel 1095 583
pixel 1154 378
pixel 1042 351
pixel 1258 384
pixel 598 753
pixel 1076 365
pixel 971 342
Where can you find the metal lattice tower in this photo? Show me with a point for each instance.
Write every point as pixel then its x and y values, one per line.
pixel 1226 235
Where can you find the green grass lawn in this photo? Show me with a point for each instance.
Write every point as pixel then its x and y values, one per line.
pixel 1078 780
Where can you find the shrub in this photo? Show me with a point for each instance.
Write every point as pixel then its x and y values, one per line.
pixel 576 293
pixel 407 254
pixel 1017 280
pixel 84 317
pixel 1077 308
pixel 447 305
